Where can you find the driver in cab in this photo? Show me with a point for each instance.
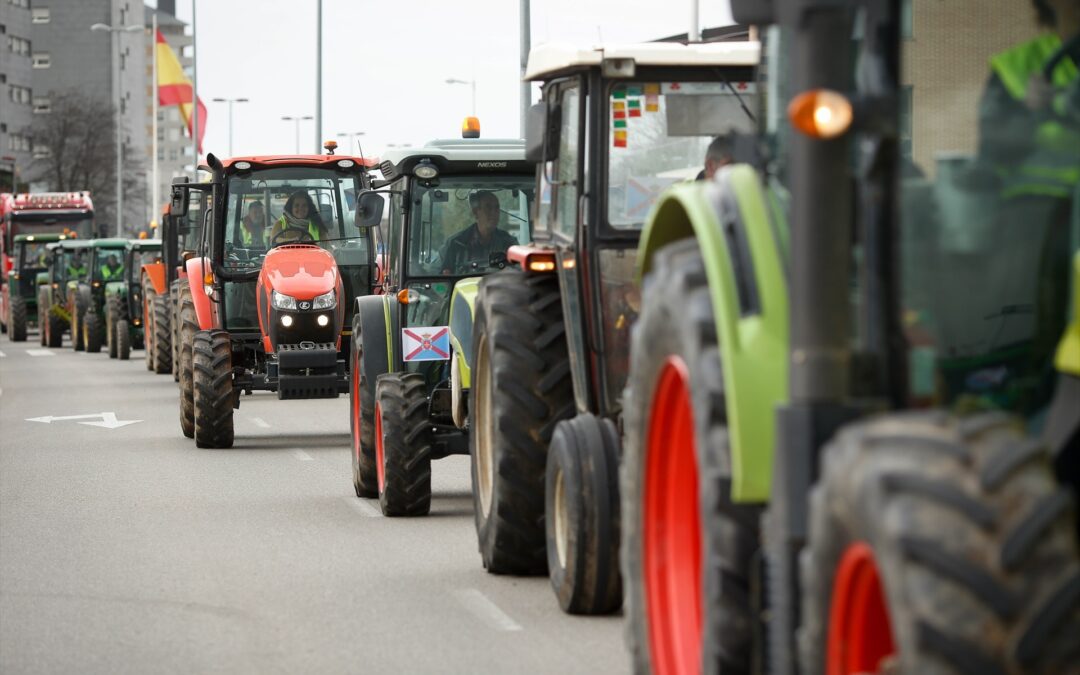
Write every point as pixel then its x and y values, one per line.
pixel 478 241
pixel 299 222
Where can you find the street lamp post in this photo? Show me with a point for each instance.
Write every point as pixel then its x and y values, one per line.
pixel 292 118
pixel 471 83
pixel 352 136
pixel 114 32
pixel 230 101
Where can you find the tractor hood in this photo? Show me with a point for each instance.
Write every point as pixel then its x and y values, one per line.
pixel 301 271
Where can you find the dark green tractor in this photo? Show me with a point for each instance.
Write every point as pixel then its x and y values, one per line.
pixel 19 296
pixel 124 315
pixel 105 263
pixel 56 299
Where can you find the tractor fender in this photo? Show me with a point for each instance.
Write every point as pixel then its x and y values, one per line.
pixel 374 328
pixel 741 242
pixel 155 272
pixel 462 308
pixel 204 309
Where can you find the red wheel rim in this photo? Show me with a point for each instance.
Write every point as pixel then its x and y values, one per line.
pixel 356 411
pixel 860 634
pixel 379 448
pixel 672 527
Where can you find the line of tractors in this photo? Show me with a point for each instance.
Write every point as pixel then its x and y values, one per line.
pixel 790 415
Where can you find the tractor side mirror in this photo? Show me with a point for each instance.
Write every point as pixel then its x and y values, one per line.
pixel 541 133
pixel 753 12
pixel 369 209
pixel 178 205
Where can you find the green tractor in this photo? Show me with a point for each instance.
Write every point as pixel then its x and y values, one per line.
pixel 66 269
pixel 455 207
pixel 18 297
pixel 124 307
pixel 851 421
pixel 552 335
pixel 105 264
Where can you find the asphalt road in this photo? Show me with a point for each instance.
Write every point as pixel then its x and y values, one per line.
pixel 129 550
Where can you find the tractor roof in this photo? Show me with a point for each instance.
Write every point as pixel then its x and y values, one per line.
pixel 273 161
pixel 109 242
pixel 550 60
pixel 460 155
pixel 75 243
pixel 49 237
pixel 140 244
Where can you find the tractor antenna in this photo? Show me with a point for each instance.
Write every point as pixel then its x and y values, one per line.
pixel 360 149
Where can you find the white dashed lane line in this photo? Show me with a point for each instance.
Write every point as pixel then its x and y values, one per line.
pixel 484 609
pixel 40 352
pixel 302 456
pixel 260 422
pixel 366 508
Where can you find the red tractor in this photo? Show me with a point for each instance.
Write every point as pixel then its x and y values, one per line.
pixel 282 257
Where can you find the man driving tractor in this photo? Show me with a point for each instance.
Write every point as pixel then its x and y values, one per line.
pixel 481 239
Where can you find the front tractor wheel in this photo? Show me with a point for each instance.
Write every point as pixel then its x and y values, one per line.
pixel 581 515
pixel 520 391
pixel 213 389
pixel 402 444
pixel 18 319
pixel 122 335
pixel 939 545
pixel 687 549
pixel 93 332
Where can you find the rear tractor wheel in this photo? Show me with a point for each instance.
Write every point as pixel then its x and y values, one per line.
pixel 213 389
pixel 362 416
pixel 939 545
pixel 520 391
pixel 159 348
pixel 93 332
pixel 687 549
pixel 581 515
pixel 189 326
pixel 112 315
pixel 18 319
pixel 402 444
pixel 122 334
pixel 77 334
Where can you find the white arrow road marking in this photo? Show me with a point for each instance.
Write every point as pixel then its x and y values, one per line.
pixel 108 420
pixel 365 507
pixel 260 422
pixel 302 456
pixel 40 352
pixel 485 610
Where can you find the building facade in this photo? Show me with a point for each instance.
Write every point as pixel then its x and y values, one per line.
pixel 16 92
pixel 69 57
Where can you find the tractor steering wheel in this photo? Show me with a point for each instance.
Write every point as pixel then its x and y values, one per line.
pixel 303 236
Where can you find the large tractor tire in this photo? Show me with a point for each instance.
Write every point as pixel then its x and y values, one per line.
pixel 687 550
pixel 939 545
pixel 122 333
pixel 43 315
pixel 175 324
pixel 77 333
pixel 402 444
pixel 581 515
pixel 53 328
pixel 148 325
pixel 189 325
pixel 160 347
pixel 112 316
pixel 93 332
pixel 213 384
pixel 521 390
pixel 18 319
pixel 367 364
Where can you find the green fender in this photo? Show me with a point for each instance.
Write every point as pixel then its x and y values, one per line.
pixel 753 348
pixel 462 307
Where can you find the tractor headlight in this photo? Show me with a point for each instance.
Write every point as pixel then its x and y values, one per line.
pixel 282 301
pixel 325 301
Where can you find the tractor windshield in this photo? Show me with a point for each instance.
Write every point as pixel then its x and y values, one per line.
pixel 73 264
pixel 464 225
pixel 660 134
pixel 31 255
pixel 107 264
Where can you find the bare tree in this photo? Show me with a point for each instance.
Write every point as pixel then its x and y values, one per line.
pixel 75 149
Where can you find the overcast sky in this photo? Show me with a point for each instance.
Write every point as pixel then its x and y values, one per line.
pixel 385 63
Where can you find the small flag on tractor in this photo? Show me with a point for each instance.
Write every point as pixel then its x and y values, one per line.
pixel 652 97
pixel 635 107
pixel 425 343
pixel 620 138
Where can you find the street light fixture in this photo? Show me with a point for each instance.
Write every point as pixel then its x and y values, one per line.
pixel 352 136
pixel 230 101
pixel 472 84
pixel 114 36
pixel 292 118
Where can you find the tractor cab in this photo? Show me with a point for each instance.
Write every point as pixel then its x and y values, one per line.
pixel 18 297
pixel 454 208
pixel 282 255
pixel 105 265
pixel 125 311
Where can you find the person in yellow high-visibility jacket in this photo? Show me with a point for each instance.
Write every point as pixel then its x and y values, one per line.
pixel 253 227
pixel 299 221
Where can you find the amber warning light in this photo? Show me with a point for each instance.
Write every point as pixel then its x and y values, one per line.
pixel 470 128
pixel 821 113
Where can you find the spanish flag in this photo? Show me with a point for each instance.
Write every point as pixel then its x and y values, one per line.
pixel 174 88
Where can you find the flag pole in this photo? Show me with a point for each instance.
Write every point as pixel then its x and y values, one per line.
pixel 194 95
pixel 155 188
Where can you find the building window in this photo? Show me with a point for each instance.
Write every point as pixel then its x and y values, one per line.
pixel 18 45
pixel 19 94
pixel 39 15
pixel 19 3
pixel 18 143
pixel 906 108
pixel 42 105
pixel 905 19
pixel 41 151
pixel 42 60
